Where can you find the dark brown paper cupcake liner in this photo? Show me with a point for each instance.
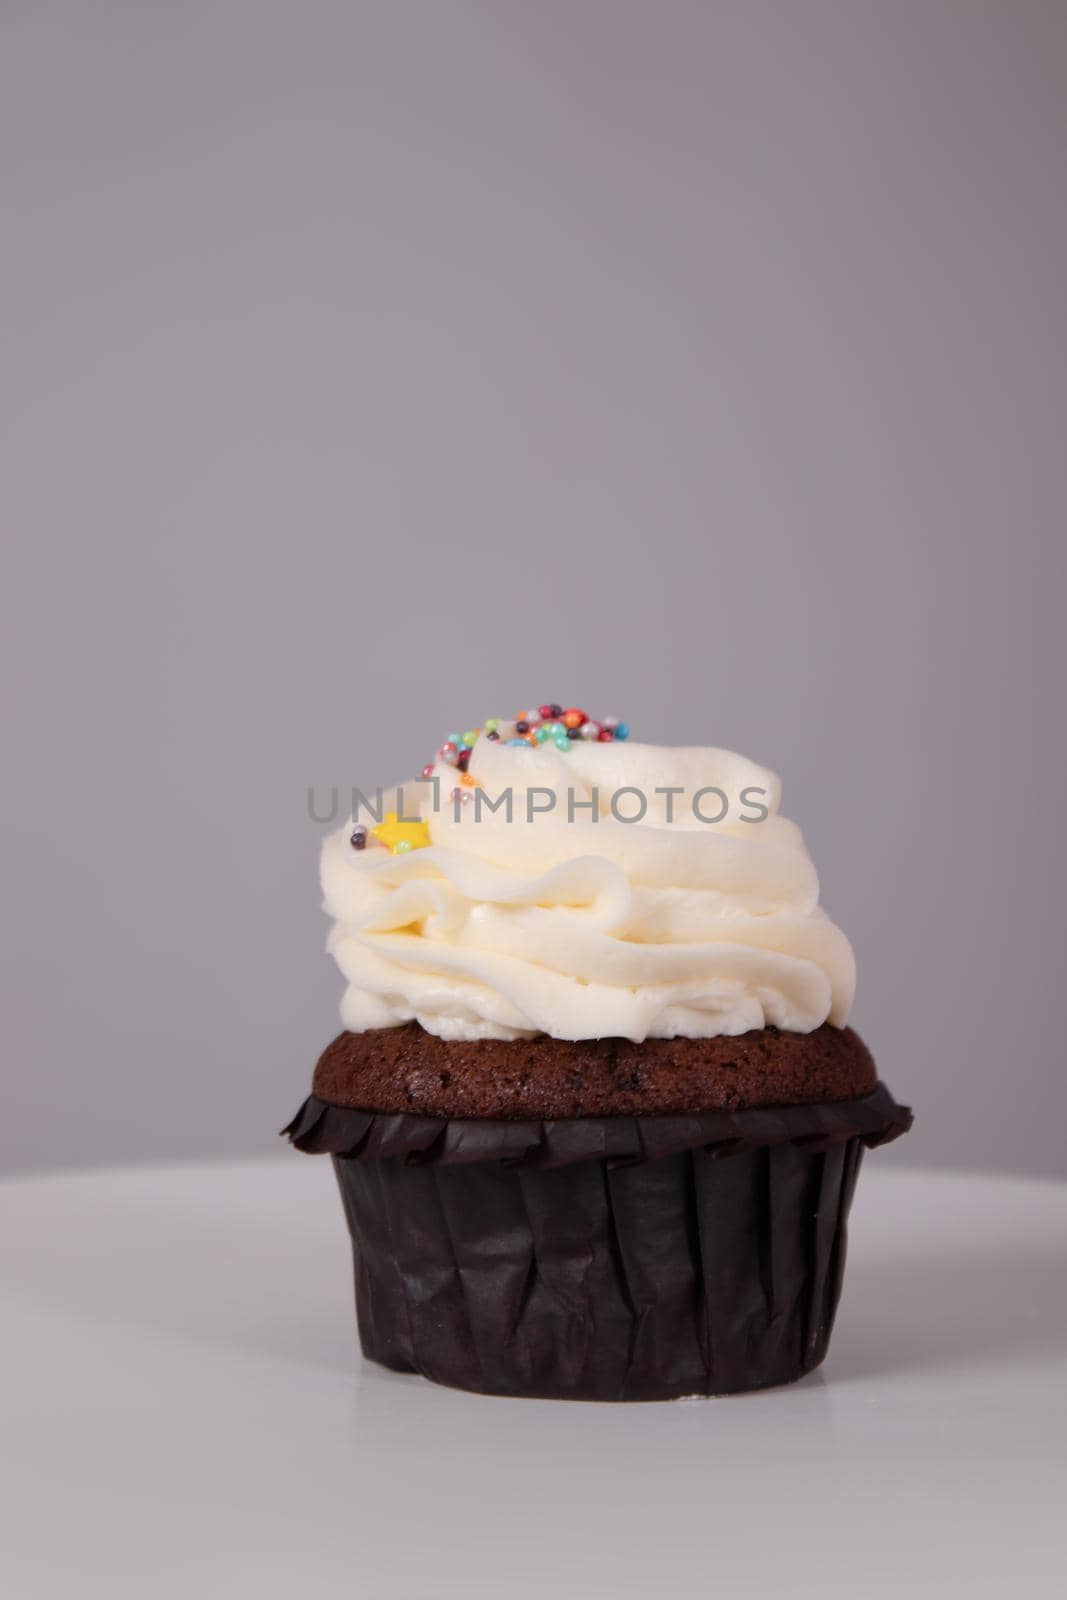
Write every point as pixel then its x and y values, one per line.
pixel 600 1258
pixel 322 1129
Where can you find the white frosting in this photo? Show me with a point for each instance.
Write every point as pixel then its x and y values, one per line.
pixel 591 927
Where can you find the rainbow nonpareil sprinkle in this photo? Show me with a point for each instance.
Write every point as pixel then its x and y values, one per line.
pixel 547 724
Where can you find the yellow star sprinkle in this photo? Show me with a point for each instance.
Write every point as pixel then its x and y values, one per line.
pixel 401 836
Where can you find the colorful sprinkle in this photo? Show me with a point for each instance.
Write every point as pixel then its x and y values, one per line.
pixel 548 724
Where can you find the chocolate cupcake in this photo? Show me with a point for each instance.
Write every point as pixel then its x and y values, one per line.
pixel 596 1114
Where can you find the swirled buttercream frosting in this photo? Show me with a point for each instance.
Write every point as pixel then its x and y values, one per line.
pixel 590 889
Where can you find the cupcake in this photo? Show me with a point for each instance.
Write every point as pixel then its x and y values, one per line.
pixel 596 1113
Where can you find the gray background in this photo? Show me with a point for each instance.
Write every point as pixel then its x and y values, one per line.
pixel 370 368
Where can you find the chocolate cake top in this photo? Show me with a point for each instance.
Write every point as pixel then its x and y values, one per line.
pixel 407 1069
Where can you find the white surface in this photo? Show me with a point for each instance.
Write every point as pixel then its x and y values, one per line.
pixel 185 1414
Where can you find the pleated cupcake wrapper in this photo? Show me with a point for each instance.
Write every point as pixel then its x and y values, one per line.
pixel 600 1258
pixel 322 1129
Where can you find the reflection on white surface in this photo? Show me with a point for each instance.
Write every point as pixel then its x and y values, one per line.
pixel 185 1413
